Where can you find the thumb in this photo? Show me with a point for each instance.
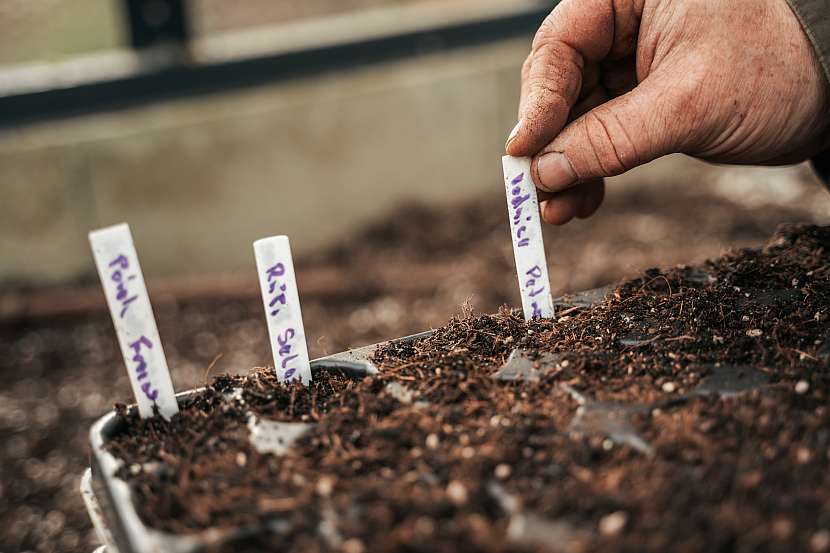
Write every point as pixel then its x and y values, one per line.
pixel 612 138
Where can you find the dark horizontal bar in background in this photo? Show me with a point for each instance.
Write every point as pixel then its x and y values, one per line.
pixel 188 80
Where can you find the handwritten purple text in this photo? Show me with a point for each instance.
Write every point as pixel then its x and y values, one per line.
pixel 535 279
pixel 275 289
pixel 120 265
pixel 285 340
pixel 141 367
pixel 285 343
pixel 516 207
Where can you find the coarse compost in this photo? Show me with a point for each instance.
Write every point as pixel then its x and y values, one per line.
pixel 687 410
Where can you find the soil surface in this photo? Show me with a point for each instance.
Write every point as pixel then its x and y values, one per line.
pixel 61 371
pixel 685 411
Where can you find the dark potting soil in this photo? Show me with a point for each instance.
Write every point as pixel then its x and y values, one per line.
pixel 686 411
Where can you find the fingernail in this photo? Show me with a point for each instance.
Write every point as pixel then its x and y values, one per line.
pixel 543 205
pixel 554 172
pixel 515 132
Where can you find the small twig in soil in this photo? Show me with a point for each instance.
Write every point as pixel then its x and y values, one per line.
pixel 805 354
pixel 570 310
pixel 210 367
pixel 645 342
pixel 676 338
pixel 648 284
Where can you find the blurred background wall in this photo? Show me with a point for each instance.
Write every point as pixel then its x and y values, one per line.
pixel 199 177
pixel 312 158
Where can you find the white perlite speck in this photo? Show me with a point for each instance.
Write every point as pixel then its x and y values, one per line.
pixel 612 524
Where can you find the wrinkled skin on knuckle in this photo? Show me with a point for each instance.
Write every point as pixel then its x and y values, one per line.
pixel 526 65
pixel 545 32
pixel 553 80
pixel 610 141
pixel 560 61
pixel 545 103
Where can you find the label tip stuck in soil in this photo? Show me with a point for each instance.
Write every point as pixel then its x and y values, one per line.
pixel 526 233
pixel 129 304
pixel 286 332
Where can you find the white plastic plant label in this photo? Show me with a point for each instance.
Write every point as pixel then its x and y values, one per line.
pixel 282 308
pixel 132 315
pixel 526 232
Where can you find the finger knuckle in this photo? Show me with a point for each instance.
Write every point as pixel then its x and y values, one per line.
pixel 545 31
pixel 555 68
pixel 528 63
pixel 549 98
pixel 557 53
pixel 610 141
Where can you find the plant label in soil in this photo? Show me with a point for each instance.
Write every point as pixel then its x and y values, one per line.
pixel 526 232
pixel 282 308
pixel 132 315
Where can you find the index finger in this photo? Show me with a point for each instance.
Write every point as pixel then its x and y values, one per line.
pixel 575 32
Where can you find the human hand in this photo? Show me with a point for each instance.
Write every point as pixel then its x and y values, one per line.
pixel 612 84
